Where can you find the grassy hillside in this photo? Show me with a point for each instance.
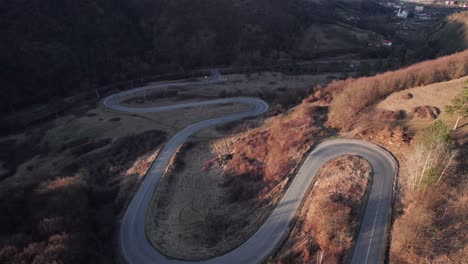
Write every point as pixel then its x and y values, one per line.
pixel 353 95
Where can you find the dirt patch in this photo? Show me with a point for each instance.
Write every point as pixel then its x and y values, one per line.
pixel 436 95
pixel 426 111
pixel 407 96
pixel 328 220
pixel 352 96
pixel 191 211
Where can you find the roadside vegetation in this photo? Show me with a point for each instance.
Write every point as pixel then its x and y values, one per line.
pixel 432 227
pixel 431 158
pixel 429 206
pixel 329 220
pixel 226 188
pixel 60 198
pixel 430 200
pixel 260 162
pixel 263 157
pixel 65 212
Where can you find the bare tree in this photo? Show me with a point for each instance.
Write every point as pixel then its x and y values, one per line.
pixel 431 157
pixel 320 257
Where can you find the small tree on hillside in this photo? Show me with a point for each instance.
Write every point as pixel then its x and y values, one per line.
pixel 459 105
pixel 431 158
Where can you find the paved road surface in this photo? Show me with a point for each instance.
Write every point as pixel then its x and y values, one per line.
pixel 369 248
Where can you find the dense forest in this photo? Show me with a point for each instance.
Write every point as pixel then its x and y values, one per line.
pixel 56 48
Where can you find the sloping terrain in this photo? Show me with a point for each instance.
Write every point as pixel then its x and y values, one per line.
pixel 67 182
pixel 334 39
pixel 451 35
pixel 220 192
pixel 431 209
pixel 436 95
pixel 59 48
pixel 329 219
pixel 262 158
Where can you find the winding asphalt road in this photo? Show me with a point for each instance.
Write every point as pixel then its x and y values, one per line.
pixel 370 245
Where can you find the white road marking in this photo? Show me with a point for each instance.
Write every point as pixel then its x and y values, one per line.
pixel 375 221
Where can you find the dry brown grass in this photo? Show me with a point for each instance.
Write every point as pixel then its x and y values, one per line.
pixel 61 183
pixel 433 224
pixel 226 189
pixel 329 219
pixel 263 157
pixel 62 215
pixel 353 95
pixel 86 171
pixel 437 95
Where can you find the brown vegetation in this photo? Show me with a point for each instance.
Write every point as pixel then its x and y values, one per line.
pixel 433 226
pixel 329 219
pixel 353 95
pixel 430 208
pixel 264 157
pixel 430 211
pixel 227 189
pixel 70 216
pixel 190 217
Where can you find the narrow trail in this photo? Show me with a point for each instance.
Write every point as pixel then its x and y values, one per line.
pixel 370 245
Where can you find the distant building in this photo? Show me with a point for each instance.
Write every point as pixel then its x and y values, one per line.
pixel 386 43
pixel 419 9
pixel 390 4
pixel 402 14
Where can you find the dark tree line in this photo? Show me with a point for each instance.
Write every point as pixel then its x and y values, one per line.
pixel 56 48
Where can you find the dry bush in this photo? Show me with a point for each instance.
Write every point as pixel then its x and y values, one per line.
pixel 67 217
pixel 433 226
pixel 328 221
pixel 264 157
pixel 353 95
